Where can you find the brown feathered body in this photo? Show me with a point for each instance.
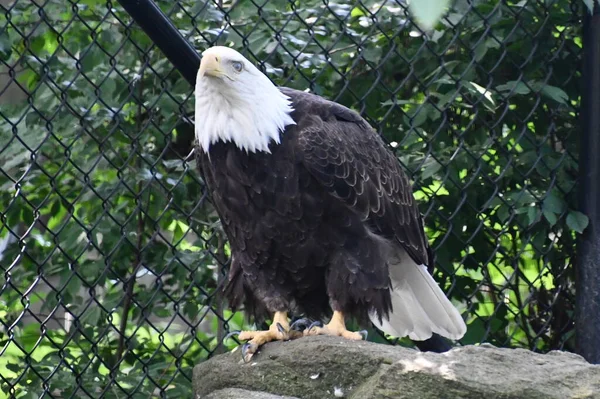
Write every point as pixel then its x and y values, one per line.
pixel 312 224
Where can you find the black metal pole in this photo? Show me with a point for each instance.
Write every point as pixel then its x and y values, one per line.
pixel 165 35
pixel 587 315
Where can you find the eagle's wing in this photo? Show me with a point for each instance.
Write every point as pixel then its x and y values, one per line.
pixel 352 162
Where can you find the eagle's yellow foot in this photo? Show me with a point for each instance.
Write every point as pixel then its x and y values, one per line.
pixel 337 328
pixel 278 331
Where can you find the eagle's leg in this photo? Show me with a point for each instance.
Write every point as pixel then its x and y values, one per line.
pixel 278 331
pixel 337 328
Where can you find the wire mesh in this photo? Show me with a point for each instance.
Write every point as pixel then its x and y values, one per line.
pixel 110 252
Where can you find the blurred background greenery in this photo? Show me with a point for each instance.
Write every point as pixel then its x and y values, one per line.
pixel 110 253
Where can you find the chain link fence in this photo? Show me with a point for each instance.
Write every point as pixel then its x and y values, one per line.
pixel 110 253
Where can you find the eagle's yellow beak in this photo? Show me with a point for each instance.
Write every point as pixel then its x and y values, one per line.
pixel 211 66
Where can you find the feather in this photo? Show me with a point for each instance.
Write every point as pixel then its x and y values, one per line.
pixel 419 306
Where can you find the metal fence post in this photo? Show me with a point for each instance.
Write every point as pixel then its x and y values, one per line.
pixel 165 35
pixel 587 317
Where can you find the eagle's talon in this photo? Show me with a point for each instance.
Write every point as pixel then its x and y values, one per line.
pixel 313 325
pixel 336 328
pixel 278 331
pixel 300 325
pixel 282 330
pixel 364 334
pixel 248 350
pixel 231 334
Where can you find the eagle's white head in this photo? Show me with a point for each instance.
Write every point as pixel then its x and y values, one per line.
pixel 237 102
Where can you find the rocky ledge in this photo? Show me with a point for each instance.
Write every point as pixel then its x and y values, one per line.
pixel 327 367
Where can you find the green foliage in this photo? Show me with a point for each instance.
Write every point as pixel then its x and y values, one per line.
pixel 98 192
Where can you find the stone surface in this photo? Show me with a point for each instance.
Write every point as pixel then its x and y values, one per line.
pixel 236 393
pixel 327 367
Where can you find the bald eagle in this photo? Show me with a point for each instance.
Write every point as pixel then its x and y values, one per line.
pixel 318 212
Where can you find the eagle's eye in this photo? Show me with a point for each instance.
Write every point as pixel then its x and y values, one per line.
pixel 237 66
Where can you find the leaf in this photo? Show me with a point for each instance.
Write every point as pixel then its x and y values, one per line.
pixel 190 309
pixel 503 213
pixel 389 103
pixel 91 315
pixel 476 332
pixel 357 12
pixel 419 116
pixel 555 93
pixel 533 215
pixel 372 54
pixel 550 217
pixel 514 86
pixel 577 221
pixel 16 368
pixel 487 95
pixel 73 286
pixel 431 167
pixel 480 51
pixel 428 12
pixel 5 46
pixel 553 203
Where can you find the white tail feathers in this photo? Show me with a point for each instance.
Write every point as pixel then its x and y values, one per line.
pixel 419 306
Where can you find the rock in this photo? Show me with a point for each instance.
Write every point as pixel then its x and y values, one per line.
pixel 235 393
pixel 328 367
